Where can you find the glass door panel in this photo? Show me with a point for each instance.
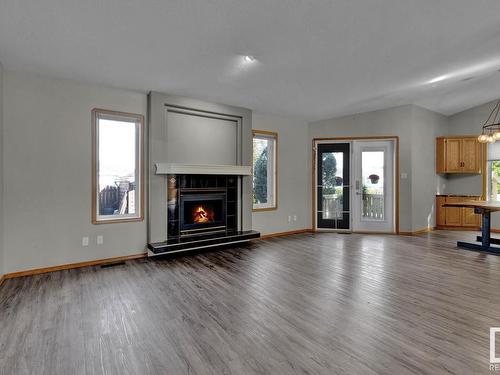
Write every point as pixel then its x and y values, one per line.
pixel 333 186
pixel 372 179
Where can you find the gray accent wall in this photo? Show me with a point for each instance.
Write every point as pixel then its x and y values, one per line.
pixel 47 172
pixel 416 129
pixel 293 176
pixel 185 130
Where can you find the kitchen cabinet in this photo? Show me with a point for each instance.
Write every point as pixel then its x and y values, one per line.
pixel 459 155
pixel 456 217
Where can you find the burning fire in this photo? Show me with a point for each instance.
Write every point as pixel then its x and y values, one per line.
pixel 202 215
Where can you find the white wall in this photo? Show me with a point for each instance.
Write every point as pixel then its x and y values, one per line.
pixel 293 175
pixel 47 171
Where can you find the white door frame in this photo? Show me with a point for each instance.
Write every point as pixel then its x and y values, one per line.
pixel 350 140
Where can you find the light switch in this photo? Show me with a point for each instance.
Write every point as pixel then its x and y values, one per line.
pixel 85 241
pixel 404 176
pixel 100 240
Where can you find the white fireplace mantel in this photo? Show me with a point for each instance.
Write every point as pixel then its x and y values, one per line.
pixel 175 168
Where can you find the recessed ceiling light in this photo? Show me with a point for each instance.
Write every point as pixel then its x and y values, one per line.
pixel 249 58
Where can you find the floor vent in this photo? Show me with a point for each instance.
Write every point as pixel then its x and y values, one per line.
pixel 113 264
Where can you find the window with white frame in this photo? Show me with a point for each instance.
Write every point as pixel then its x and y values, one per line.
pixel 117 191
pixel 265 145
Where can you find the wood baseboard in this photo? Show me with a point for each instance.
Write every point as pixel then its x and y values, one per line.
pixel 460 228
pixel 417 232
pixel 89 263
pixel 289 233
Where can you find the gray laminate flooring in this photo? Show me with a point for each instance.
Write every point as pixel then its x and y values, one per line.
pixel 303 304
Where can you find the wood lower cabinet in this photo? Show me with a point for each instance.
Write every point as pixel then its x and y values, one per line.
pixel 458 155
pixel 456 217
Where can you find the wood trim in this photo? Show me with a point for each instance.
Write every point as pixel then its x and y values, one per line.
pixel 485 170
pixel 373 232
pixel 417 232
pixel 313 205
pixel 265 132
pixel 140 119
pixel 495 230
pixel 458 229
pixel 289 233
pixel 457 136
pixel 2 278
pixel 396 172
pixel 96 262
pixel 265 209
pixel 276 172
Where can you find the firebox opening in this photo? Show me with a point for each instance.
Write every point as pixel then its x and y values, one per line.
pixel 202 212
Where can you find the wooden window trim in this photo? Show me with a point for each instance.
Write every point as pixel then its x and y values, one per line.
pixel 276 169
pixel 138 118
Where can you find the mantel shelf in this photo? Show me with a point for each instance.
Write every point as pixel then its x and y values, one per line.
pixel 174 168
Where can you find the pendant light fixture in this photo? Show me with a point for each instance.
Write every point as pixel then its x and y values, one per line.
pixel 491 128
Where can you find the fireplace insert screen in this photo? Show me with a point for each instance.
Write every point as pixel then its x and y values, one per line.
pixel 202 212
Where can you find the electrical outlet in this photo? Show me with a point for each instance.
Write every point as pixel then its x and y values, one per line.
pixel 85 241
pixel 100 240
pixel 289 219
pixel 294 217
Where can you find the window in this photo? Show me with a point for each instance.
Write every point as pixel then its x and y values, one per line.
pixel 117 192
pixel 493 188
pixel 265 145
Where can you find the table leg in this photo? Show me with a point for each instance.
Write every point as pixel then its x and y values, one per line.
pixel 485 229
pixel 485 238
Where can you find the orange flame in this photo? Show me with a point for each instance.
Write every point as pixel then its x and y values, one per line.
pixel 202 215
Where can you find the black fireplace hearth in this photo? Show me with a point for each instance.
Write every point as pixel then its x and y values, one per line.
pixel 202 212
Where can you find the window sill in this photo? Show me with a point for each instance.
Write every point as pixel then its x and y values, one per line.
pixel 265 209
pixel 117 221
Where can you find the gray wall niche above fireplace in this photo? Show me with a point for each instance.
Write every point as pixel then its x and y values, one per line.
pixel 190 131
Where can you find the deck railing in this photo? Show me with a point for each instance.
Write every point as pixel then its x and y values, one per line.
pixel 373 206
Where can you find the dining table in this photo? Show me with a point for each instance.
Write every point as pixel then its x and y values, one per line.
pixel 484 208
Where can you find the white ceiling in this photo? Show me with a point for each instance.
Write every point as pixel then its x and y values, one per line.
pixel 316 58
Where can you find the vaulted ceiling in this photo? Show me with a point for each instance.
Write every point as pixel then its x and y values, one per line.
pixel 315 59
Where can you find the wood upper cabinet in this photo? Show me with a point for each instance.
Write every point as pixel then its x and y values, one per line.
pixel 458 155
pixel 456 217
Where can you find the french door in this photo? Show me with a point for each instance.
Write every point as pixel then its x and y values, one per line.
pixel 333 186
pixel 355 185
pixel 373 203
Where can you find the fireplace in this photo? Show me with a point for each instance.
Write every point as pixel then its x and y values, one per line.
pixel 202 211
pixel 201 204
